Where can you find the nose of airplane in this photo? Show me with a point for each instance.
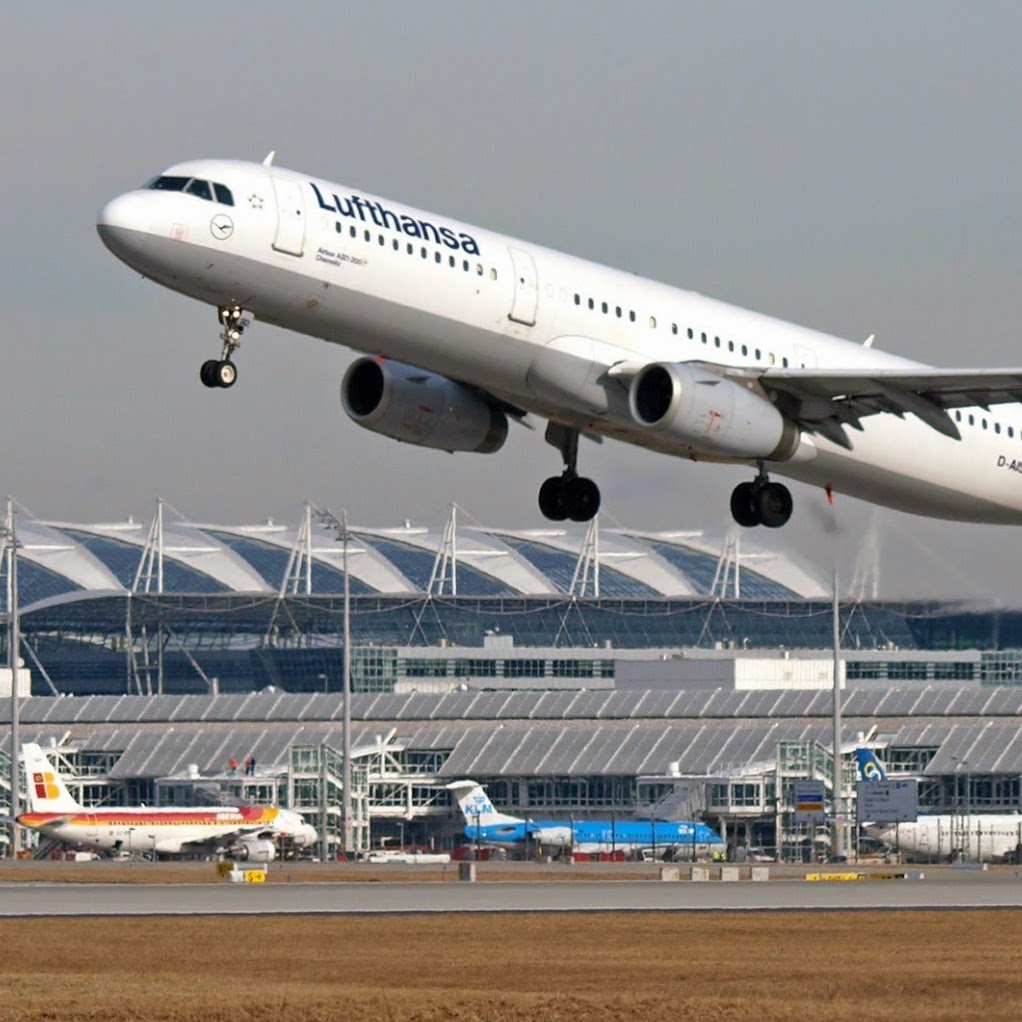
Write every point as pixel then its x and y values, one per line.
pixel 122 223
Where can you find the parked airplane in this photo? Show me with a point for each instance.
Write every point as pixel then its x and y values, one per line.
pixel 485 824
pixel 466 329
pixel 251 832
pixel 967 837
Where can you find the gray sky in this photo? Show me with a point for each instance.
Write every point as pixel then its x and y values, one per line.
pixel 858 171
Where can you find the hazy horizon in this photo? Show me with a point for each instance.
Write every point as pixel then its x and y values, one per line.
pixel 852 170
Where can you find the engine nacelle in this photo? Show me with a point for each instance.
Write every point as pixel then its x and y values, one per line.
pixel 256 850
pixel 710 415
pixel 421 408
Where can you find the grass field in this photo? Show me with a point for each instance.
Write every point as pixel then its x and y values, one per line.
pixel 752 967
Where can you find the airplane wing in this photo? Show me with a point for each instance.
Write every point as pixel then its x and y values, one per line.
pixel 825 401
pixel 260 832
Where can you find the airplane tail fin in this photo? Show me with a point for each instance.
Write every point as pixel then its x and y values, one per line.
pixel 47 792
pixel 476 806
pixel 870 768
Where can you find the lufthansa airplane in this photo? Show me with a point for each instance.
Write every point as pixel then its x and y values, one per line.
pixel 463 330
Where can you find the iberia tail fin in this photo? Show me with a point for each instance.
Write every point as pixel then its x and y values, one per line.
pixel 47 792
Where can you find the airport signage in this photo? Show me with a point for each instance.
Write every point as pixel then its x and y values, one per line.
pixel 886 801
pixel 810 805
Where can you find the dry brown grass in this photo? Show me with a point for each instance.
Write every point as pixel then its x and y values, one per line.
pixel 901 967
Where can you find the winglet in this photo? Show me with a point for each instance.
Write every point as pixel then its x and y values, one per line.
pixel 270 157
pixel 868 342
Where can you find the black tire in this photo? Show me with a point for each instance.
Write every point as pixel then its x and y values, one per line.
pixel 553 499
pixel 207 374
pixel 774 504
pixel 226 374
pixel 743 505
pixel 582 499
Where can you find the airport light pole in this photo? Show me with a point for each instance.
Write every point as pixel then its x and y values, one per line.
pixel 346 685
pixel 838 799
pixel 341 528
pixel 10 540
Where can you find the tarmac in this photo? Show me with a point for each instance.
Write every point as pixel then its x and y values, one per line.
pixel 946 889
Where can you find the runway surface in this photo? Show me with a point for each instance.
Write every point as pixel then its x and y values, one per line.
pixel 947 892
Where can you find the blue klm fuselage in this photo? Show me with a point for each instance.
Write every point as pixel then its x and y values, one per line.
pixel 600 835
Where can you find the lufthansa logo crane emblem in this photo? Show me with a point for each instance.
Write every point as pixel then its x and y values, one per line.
pixel 221 226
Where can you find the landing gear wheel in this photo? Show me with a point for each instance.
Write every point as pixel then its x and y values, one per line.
pixel 743 505
pixel 774 505
pixel 222 372
pixel 568 495
pixel 226 373
pixel 553 499
pixel 208 373
pixel 582 499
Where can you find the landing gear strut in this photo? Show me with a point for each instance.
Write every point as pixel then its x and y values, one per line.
pixel 222 372
pixel 761 502
pixel 568 495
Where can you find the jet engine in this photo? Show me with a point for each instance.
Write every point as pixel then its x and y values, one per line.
pixel 420 408
pixel 710 415
pixel 256 850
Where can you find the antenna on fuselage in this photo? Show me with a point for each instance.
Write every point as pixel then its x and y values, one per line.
pixel 270 157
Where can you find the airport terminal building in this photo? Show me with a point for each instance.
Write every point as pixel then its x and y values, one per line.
pixel 620 674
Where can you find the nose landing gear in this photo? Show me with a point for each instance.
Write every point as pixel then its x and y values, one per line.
pixel 222 372
pixel 761 502
pixel 568 495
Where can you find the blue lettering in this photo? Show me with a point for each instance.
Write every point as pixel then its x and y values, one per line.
pixel 355 207
pixel 319 199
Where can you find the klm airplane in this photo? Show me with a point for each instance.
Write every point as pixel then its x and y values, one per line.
pixel 484 824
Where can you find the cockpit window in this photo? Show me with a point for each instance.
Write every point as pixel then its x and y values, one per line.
pixel 193 186
pixel 168 183
pixel 200 188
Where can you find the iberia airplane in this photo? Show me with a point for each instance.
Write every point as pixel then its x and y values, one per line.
pixel 464 329
pixel 249 831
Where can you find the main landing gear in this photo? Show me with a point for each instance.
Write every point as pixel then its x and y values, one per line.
pixel 761 502
pixel 568 495
pixel 223 372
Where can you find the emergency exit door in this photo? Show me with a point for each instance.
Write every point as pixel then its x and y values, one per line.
pixel 290 236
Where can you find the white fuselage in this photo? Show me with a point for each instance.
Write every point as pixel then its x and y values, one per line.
pixel 532 327
pixel 172 830
pixel 977 837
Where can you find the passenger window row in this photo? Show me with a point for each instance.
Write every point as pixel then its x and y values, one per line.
pixel 211 191
pixel 618 313
pixel 438 256
pixel 984 424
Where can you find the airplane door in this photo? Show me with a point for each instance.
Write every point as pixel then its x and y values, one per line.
pixel 290 236
pixel 523 308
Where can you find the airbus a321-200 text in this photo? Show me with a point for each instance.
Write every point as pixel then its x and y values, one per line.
pixel 464 330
